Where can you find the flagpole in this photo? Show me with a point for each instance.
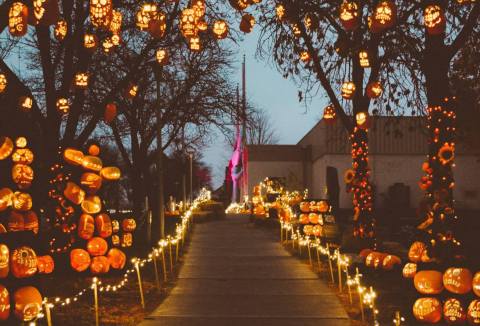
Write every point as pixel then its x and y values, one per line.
pixel 244 124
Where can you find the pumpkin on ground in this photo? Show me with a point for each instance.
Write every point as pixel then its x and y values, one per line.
pixel 428 282
pixel 117 258
pixel 416 250
pixel 23 262
pixel 79 260
pixel 453 312
pixel 409 270
pixel 100 265
pixel 28 303
pixel 428 310
pixel 458 280
pixel 390 261
pixel 97 246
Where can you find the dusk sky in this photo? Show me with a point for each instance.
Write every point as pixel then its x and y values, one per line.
pixel 268 90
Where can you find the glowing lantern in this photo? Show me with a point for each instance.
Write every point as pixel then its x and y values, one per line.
pixel 247 23
pixel 434 19
pixel 115 240
pixel 162 57
pixel 194 43
pixel 313 218
pixel 362 119
pixel 409 270
pixel 100 265
pixel 364 59
pixel 103 225
pixel 101 12
pixel 220 29
pixel 199 8
pixel 110 112
pixel 86 226
pixel 158 25
pixel 45 12
pixel 91 205
pixel 305 207
pixel 308 230
pixel 74 193
pixel 115 226
pixel 349 15
pixel 187 23
pixel 3 82
pixel 145 14
pixel 239 4
pixel 97 246
pixel 305 56
pixel 374 89
pixel 81 80
pixel 92 182
pixel 311 22
pixel 475 282
pixel 110 173
pixel 18 19
pixel 24 262
pixel 73 156
pixel 62 105
pixel 329 114
pixel 473 313
pixel 45 264
pixel 28 303
pixel 427 310
pixel 22 175
pixel 348 90
pixel 202 25
pixel 90 42
pixel 384 16
pixel 116 22
pixel 117 258
pixel 79 260
pixel 60 30
pixel 280 12
pixel 22 201
pixel 4 303
pixel 428 282
pixel 296 30
pixel 116 39
pixel 453 312
pixel 132 91
pixel 92 163
pixel 5 198
pixel 25 103
pixel 458 280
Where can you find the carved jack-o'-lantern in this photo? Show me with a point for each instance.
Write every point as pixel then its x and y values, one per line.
pixel 187 23
pixel 81 80
pixel 73 156
pixel 116 22
pixel 25 103
pixel 162 57
pixel 375 259
pixel 220 29
pixel 473 312
pixel 313 218
pixel 22 201
pixel 101 13
pixel 129 225
pixel 428 282
pixel 45 12
pixel 453 312
pixel 476 284
pixel 63 106
pixel 92 182
pixel 74 193
pixel 18 19
pixel 60 30
pixel 127 240
pixel 103 225
pixel 239 4
pixel 416 250
pixel 6 195
pixel 434 19
pixel 117 258
pixel 22 175
pixel 45 264
pixel 3 82
pixel 91 205
pixel 92 163
pixel 22 156
pixel 390 261
pixel 145 14
pixel 4 303
pixel 304 218
pixel 194 43
pixel 86 226
pixel 364 59
pixel 131 91
pixel 30 219
pixel 100 265
pixel 305 56
pixel 374 89
pixel 23 262
pixel 94 150
pixel 116 240
pixel 79 260
pixel 323 206
pixel 110 173
pixel 4 260
pixel 349 15
pixel 90 42
pixel 280 11
pixel 6 147
pixel 329 114
pixel 247 23
pixel 458 280
pixel 348 90
pixel 16 222
pixel 97 246
pixel 115 226
pixel 384 16
pixel 317 230
pixel 28 303
pixel 362 119
pixel 427 310
pixel 308 230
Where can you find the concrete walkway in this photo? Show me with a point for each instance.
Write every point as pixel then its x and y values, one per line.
pixel 236 275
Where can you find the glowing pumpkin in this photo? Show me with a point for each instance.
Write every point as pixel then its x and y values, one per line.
pixel 305 207
pixel 384 16
pixel 74 193
pixel 45 264
pixel 86 226
pixel 476 284
pixel 348 90
pixel 73 156
pixel 22 201
pixel 453 312
pixel 79 260
pixel 16 222
pixel 127 240
pixel 409 270
pixel 92 163
pixel 349 15
pixel 4 303
pixel 18 19
pixel 100 265
pixel 427 310
pixel 323 206
pixel 117 258
pixel 308 230
pixel 92 182
pixel 247 23
pixel 129 225
pixel 473 312
pixel 434 18
pixel 28 303
pixel 92 205
pixel 390 261
pixel 4 260
pixel 31 222
pixel 304 219
pixel 375 259
pixel 416 250
pixel 23 262
pixel 103 225
pixel 428 282
pixel 5 198
pixel 313 218
pixel 458 280
pixel 97 246
pixel 6 147
pixel 115 226
pixel 110 173
pixel 365 252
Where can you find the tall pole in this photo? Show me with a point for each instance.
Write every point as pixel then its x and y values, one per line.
pixel 244 124
pixel 190 155
pixel 161 203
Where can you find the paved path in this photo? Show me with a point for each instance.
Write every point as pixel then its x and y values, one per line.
pixel 236 275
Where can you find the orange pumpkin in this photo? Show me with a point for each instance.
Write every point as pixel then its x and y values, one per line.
pixel 476 284
pixel 305 207
pixel 365 252
pixel 110 112
pixel 129 225
pixel 313 218
pixel 409 270
pixel 115 240
pixel 74 193
pixel 86 226
pixel 92 205
pixel 22 201
pixel 127 240
pixel 375 259
pixel 23 262
pixel 31 221
pixel 2 229
pixel 103 225
pixel 6 147
pixel 23 156
pixel 416 250
pixel 16 222
pixel 317 230
pixel 110 173
pixel 4 303
pixel 97 246
pixel 390 261
pixel 91 182
pixel 427 310
pixel 308 229
pixel 117 258
pixel 428 282
pixel 4 260
pixel 100 265
pixel 22 175
pixel 92 163
pixel 5 198
pixel 322 206
pixel 458 280
pixel 28 303
pixel 73 156
pixel 45 264
pixel 18 19
pixel 94 150
pixel 473 312
pixel 79 260
pixel 453 312
pixel 115 226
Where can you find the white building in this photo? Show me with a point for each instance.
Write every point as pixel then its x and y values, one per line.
pixel 398 146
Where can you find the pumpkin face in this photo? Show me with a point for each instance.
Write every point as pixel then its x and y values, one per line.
pixel 73 156
pixel 45 264
pixel 129 225
pixel 74 193
pixel 18 19
pixel 115 240
pixel 4 260
pixel 384 16
pixel 5 198
pixel 428 282
pixel 390 261
pixel 317 230
pixel 458 280
pixel 22 201
pixel 4 303
pixel 97 246
pixel 22 175
pixel 92 182
pixel 476 284
pixel 31 221
pixel 305 207
pixel 103 225
pixel 349 15
pixel 117 258
pixel 473 313
pixel 79 260
pixel 100 265
pixel 304 219
pixel 428 310
pixel 313 218
pixel 409 270
pixel 416 250
pixel 23 262
pixel 375 259
pixel 115 226
pixel 91 205
pixel 127 240
pixel 28 303
pixel 16 222
pixel 86 226
pixel 453 312
pixel 22 156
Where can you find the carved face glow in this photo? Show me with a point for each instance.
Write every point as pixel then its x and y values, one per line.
pixel 17 19
pixel 101 12
pixel 26 103
pixel 3 82
pixel 116 23
pixel 162 56
pixel 127 240
pixel 187 23
pixel 361 118
pixel 90 41
pixel 374 89
pixel 329 113
pixel 199 9
pixel 22 201
pixel 38 9
pixel 453 311
pixel 434 19
pixel 81 80
pixel 195 43
pixel 220 29
pixel 22 156
pixel 384 13
pixel 60 30
pixel 62 105
pixel 364 59
pixel 24 262
pixel 116 39
pixel 305 56
pixel 22 175
pixel 147 12
pixel 21 142
pixel 296 30
pixel 4 256
pixel 428 310
pixel 348 89
pixel 349 13
pixel 280 11
pixel 132 91
pixel 107 45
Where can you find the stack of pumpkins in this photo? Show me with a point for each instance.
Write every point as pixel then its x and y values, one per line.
pixel 18 263
pixel 313 217
pixel 380 260
pixel 95 230
pixel 455 285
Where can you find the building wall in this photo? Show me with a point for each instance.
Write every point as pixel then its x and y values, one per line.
pixel 292 171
